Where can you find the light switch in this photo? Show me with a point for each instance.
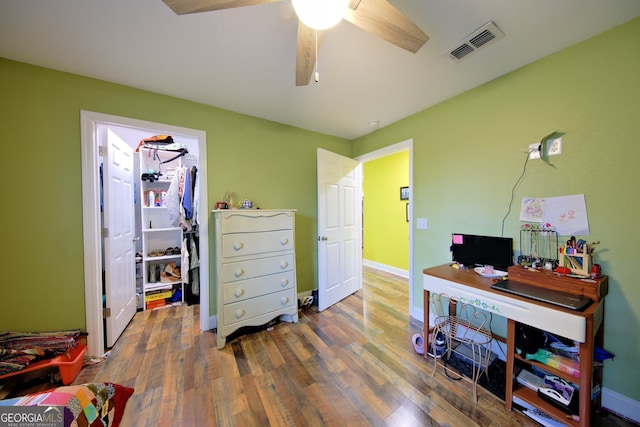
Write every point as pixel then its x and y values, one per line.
pixel 423 224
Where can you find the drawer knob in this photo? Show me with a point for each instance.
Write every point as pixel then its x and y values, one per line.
pixel 239 272
pixel 284 241
pixel 284 282
pixel 284 264
pixel 239 292
pixel 239 313
pixel 238 245
pixel 284 300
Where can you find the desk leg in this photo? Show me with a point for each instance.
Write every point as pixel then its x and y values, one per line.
pixel 586 367
pixel 425 324
pixel 511 346
pixel 598 341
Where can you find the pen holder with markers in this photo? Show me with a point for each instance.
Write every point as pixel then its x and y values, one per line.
pixel 578 262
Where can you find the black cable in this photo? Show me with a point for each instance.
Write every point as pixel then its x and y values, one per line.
pixel 513 189
pixel 446 371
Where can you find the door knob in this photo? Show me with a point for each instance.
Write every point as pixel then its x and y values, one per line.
pixel 323 238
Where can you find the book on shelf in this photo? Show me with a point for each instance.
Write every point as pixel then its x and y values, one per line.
pixel 529 380
pixel 542 418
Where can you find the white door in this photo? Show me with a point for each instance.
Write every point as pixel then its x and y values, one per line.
pixel 119 243
pixel 339 228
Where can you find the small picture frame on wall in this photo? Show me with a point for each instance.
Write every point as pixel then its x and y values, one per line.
pixel 404 193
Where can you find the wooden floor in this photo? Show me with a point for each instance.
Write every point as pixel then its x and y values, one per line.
pixel 351 365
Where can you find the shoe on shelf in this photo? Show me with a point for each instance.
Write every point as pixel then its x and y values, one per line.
pixel 171 273
pixel 418 343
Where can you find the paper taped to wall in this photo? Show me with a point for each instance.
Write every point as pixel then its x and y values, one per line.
pixel 568 214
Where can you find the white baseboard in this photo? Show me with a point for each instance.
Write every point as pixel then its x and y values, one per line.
pixel 418 314
pixel 621 405
pixel 387 268
pixel 213 322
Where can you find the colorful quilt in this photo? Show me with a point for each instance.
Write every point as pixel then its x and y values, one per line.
pixel 92 405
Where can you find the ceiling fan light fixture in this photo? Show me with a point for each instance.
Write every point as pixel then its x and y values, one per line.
pixel 320 14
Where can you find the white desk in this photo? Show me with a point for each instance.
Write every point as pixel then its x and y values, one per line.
pixel 586 327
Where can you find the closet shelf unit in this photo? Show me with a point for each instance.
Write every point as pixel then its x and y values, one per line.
pixel 161 240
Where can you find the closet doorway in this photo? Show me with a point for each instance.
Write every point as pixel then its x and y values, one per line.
pixel 93 127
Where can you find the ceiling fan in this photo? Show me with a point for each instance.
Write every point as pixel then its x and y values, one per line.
pixel 378 17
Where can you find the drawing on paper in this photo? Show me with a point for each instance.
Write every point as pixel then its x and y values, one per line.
pixel 568 214
pixel 532 210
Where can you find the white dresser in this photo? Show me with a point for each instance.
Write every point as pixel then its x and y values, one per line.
pixel 255 269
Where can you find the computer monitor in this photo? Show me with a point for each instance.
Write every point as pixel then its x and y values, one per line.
pixel 472 250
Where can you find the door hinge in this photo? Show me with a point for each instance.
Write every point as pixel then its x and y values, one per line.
pixel 102 150
pixel 106 312
pixel 105 232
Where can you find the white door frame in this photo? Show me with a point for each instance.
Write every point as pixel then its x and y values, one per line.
pixel 392 149
pixel 91 219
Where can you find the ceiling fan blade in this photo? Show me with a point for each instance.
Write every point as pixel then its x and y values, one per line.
pixel 382 19
pixel 306 53
pixel 182 7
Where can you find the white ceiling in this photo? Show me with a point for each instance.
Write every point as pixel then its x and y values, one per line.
pixel 243 59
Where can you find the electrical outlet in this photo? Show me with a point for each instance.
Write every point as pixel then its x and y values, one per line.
pixel 534 151
pixel 554 147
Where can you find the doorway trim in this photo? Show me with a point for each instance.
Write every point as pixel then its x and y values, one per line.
pixel 92 239
pixel 386 151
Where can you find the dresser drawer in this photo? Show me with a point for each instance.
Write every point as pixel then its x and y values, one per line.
pixel 256 221
pixel 244 310
pixel 242 244
pixel 251 288
pixel 243 270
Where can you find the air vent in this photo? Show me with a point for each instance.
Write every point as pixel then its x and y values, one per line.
pixel 481 37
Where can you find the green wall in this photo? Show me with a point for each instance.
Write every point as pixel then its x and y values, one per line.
pixel 386 231
pixel 41 219
pixel 471 150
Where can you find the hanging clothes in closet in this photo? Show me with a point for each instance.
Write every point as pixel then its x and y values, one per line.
pixel 190 203
pixel 195 182
pixel 190 258
pixel 183 200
